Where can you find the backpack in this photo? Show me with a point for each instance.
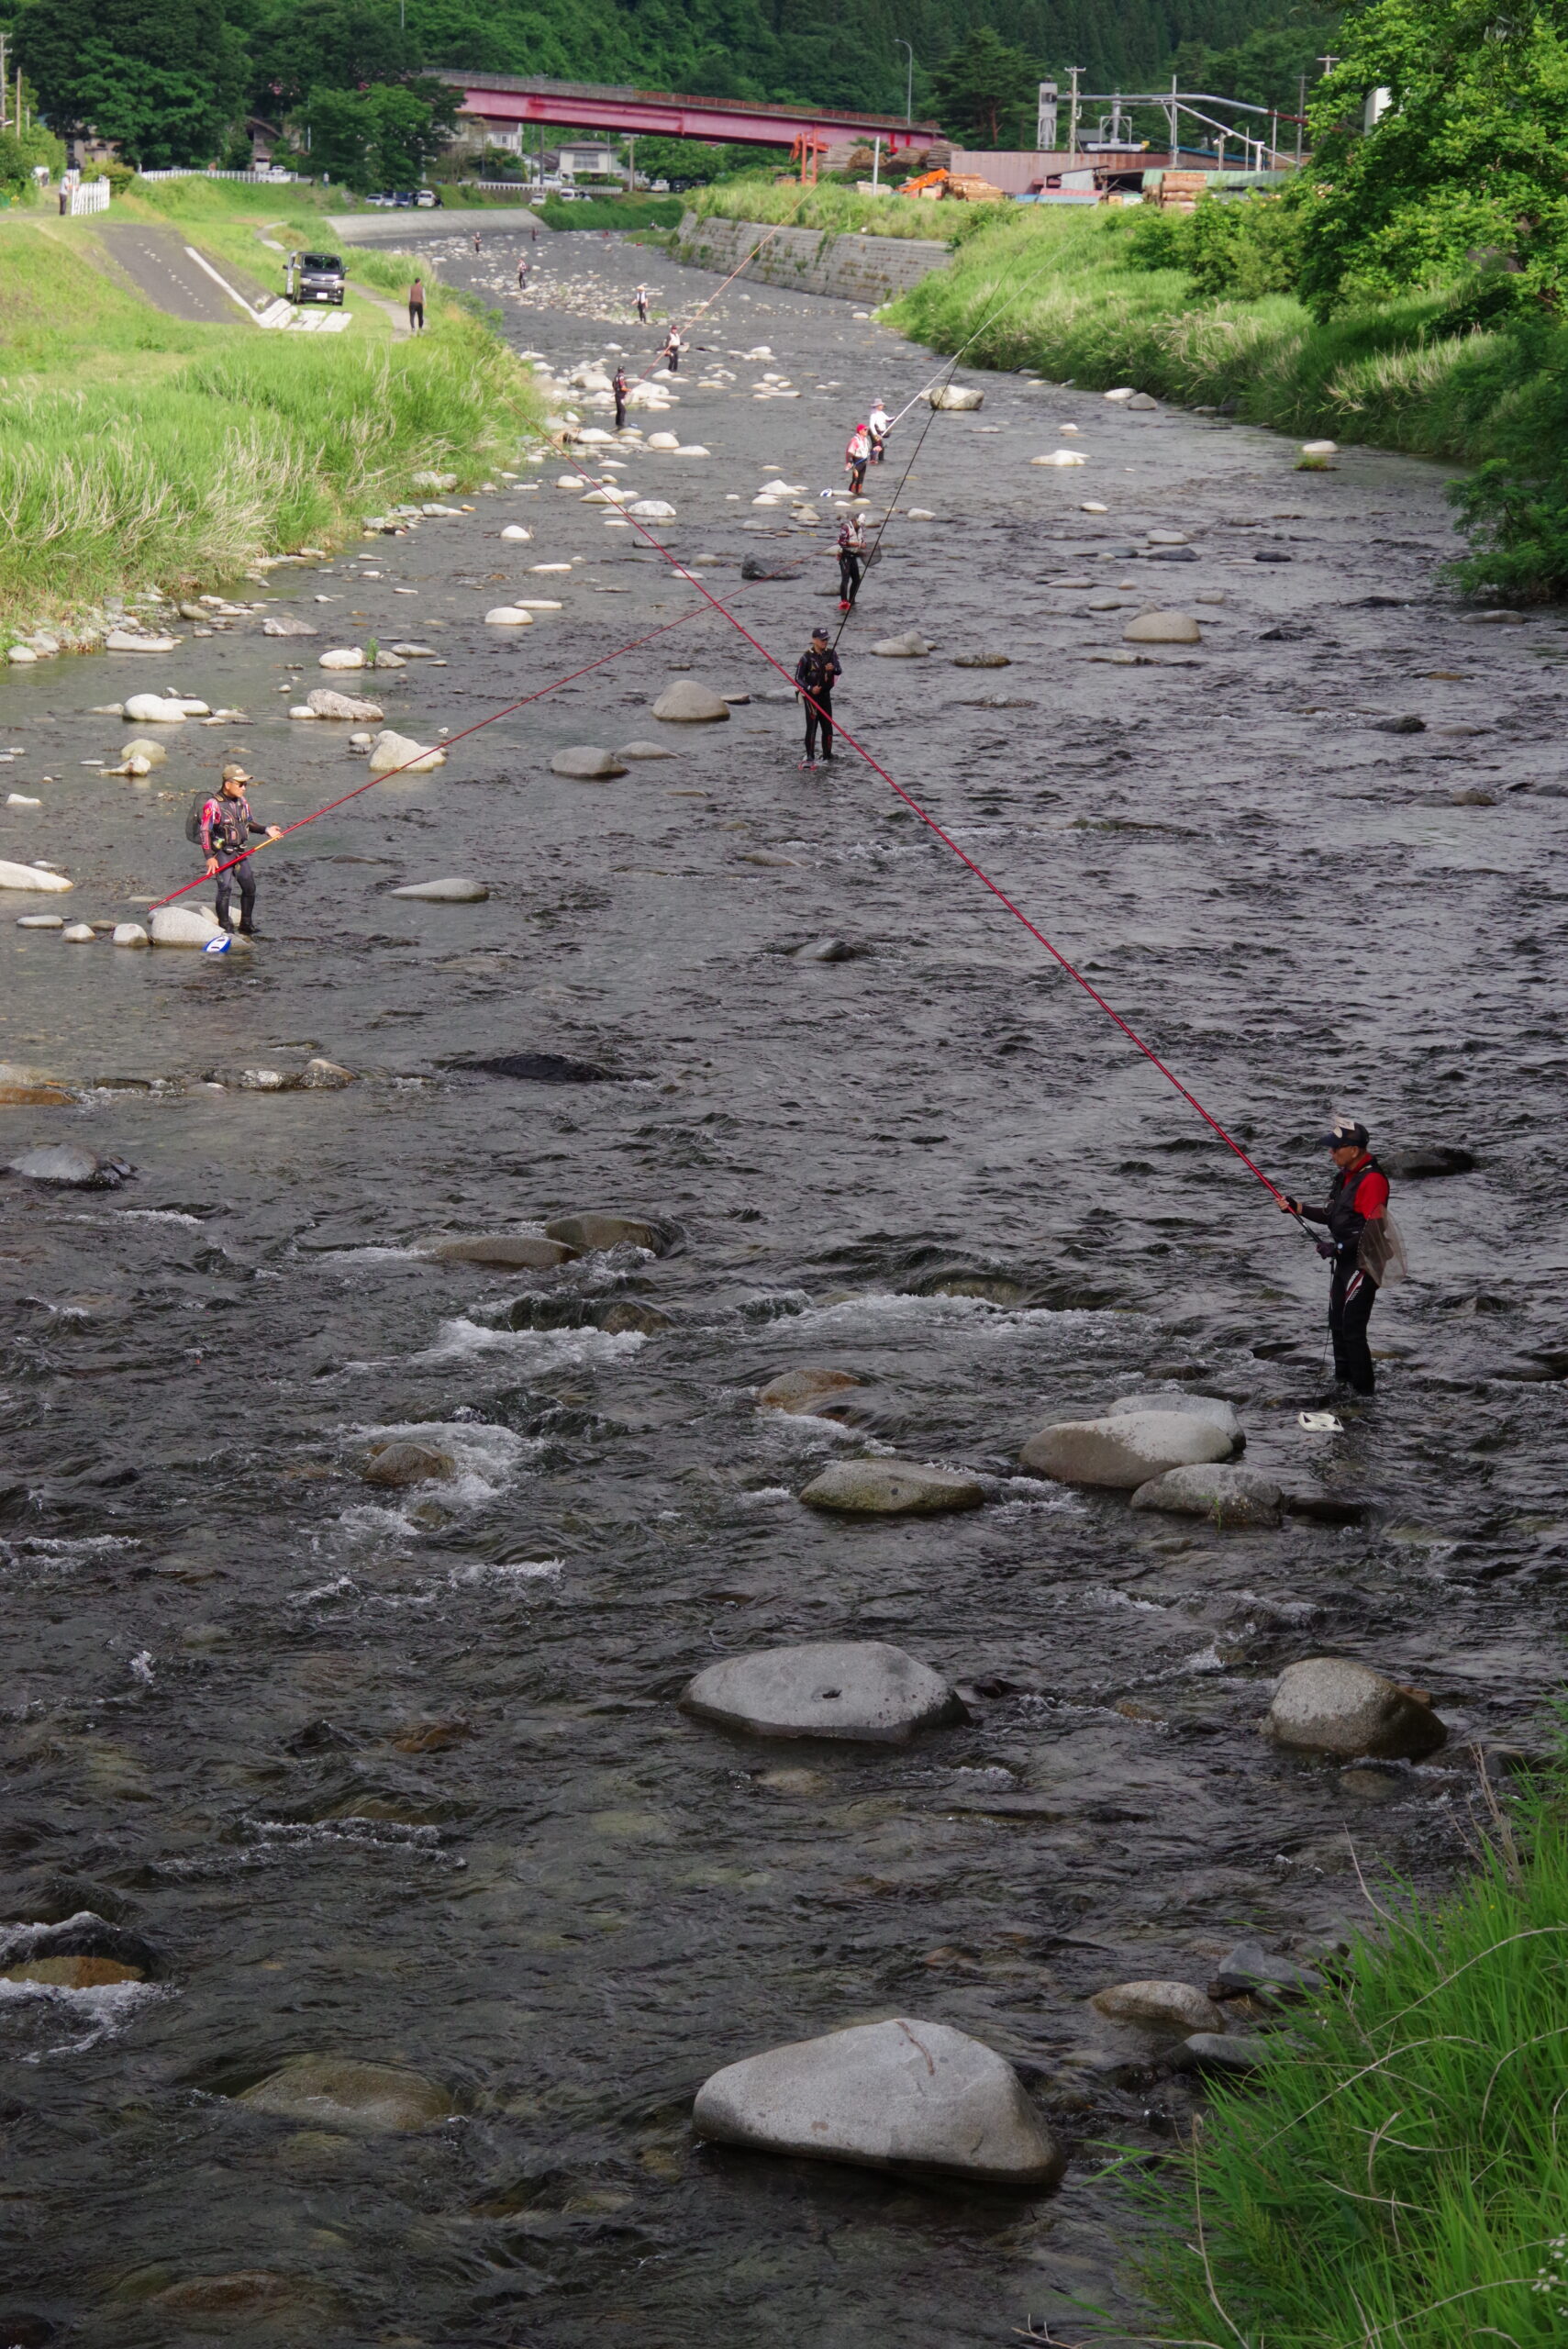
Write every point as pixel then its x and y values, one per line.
pixel 193 816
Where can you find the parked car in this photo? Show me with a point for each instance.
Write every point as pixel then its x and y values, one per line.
pixel 426 197
pixel 315 277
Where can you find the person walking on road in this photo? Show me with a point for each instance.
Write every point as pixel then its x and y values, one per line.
pixel 417 306
pixel 1362 1247
pixel 857 456
pixel 617 386
pixel 879 424
pixel 640 299
pixel 673 349
pixel 224 827
pixel 814 675
pixel 852 555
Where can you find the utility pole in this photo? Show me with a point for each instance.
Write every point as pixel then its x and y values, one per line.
pixel 1171 117
pixel 1274 140
pixel 632 164
pixel 1300 116
pixel 1075 73
pixel 909 85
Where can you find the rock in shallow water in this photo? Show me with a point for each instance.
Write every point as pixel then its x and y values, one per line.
pixel 859 1690
pixel 32 877
pixel 453 892
pixel 1226 1495
pixel 585 763
pixel 685 703
pixel 403 1461
pixel 1125 1450
pixel 588 1233
pixel 904 2095
pixel 66 1162
pixel 339 2092
pixel 1159 2005
pixel 328 704
pixel 1162 628
pixel 803 1390
pixel 644 751
pixel 1233 2055
pixel 392 752
pixel 892 1488
pixel 1327 1705
pixel 520 1250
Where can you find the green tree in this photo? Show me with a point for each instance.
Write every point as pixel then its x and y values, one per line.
pixel 987 92
pixel 1469 162
pixel 330 45
pixel 385 136
pixel 161 76
pixel 19 151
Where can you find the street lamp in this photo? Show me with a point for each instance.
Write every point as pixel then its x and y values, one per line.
pixel 909 90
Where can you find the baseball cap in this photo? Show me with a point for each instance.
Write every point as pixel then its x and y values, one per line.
pixel 235 772
pixel 1346 1133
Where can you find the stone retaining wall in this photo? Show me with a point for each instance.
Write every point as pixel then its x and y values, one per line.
pixel 869 270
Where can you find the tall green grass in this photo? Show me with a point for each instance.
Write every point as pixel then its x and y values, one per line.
pixel 230 444
pixel 838 210
pixel 1400 2181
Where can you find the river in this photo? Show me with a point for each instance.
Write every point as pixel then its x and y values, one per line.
pixel 934 1165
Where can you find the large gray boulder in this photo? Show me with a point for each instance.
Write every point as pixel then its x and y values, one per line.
pixel 891 1488
pixel 1162 628
pixel 1327 1705
pixel 338 2092
pixel 1212 1407
pixel 1159 2005
pixel 65 1163
pixel 1226 1495
pixel 1125 1450
pixel 453 892
pixel 187 926
pixel 862 1690
pixel 901 2096
pixel 328 704
pixel 685 703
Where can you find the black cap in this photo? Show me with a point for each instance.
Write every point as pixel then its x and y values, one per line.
pixel 819 633
pixel 1346 1133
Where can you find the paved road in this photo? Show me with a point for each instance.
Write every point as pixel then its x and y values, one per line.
pixel 157 261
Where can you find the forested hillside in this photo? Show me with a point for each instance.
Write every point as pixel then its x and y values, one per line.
pixel 172 78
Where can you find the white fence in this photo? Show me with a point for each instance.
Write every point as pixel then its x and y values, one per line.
pixel 88 196
pixel 253 179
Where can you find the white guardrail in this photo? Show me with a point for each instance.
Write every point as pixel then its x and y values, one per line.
pixel 88 196
pixel 254 179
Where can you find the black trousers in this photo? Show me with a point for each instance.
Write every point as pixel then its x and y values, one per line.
pixel 858 475
pixel 247 880
pixel 822 717
pixel 1352 1296
pixel 620 413
pixel 849 577
pixel 417 317
pixel 674 358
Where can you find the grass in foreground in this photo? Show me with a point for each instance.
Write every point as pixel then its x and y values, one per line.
pixel 1401 2180
pixel 177 454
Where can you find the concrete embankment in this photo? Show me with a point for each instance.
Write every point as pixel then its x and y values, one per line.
pixel 811 260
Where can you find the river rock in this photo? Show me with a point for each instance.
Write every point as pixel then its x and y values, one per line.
pixel 515 530
pixel 1422 1162
pixel 526 1251
pixel 403 1461
pixel 1061 457
pixel 328 704
pixel 33 1095
pixel 155 709
pixel 68 1164
pixel 956 397
pixel 588 1233
pixel 286 624
pixel 902 2095
pixel 1327 1705
pixel 73 1973
pixel 652 509
pixel 1160 2005
pixel 891 1488
pixel 39 921
pixel 910 647
pixel 685 703
pixel 455 892
pixel 78 933
pixel 1211 1408
pixel 860 1691
pixel 824 949
pixel 1126 1451
pixel 1228 1496
pixel 127 640
pixel 22 656
pixel 1249 1967
pixel 1162 628
pixel 587 765
pixel 337 2092
pixel 634 751
pixel 346 656
pixel 1142 400
pixel 508 616
pixel 31 876
pixel 144 747
pixel 182 926
pixel 325 1076
pixel 1233 2054
pixel 391 752
pixel 801 1390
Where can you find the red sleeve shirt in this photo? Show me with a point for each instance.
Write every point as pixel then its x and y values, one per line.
pixel 1372 1194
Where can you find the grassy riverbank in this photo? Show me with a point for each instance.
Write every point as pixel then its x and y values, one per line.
pixel 840 211
pixel 1062 292
pixel 1399 2180
pixel 137 450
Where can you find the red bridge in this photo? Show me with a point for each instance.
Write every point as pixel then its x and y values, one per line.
pixel 499 102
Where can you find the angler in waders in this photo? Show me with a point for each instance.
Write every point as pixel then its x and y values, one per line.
pixel 221 825
pixel 618 386
pixel 852 555
pixel 1363 1246
pixel 815 674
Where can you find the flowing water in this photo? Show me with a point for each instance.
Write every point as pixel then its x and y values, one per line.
pixel 933 1164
